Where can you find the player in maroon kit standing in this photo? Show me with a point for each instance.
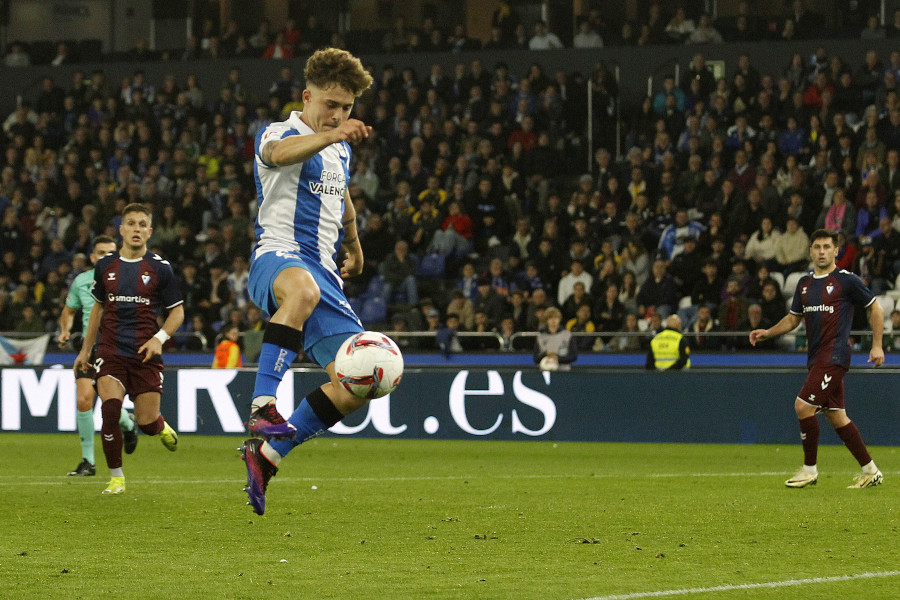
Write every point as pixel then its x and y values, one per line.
pixel 825 299
pixel 131 286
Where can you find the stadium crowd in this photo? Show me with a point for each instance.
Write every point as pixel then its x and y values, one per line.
pixel 466 201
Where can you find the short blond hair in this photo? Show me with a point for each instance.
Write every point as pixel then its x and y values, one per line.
pixel 551 312
pixel 333 66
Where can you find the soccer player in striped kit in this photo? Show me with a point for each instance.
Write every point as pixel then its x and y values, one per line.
pixel 302 168
pixel 79 298
pixel 825 300
pixel 131 287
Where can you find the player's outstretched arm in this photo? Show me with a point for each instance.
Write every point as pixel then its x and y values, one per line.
pixel 299 148
pixel 66 319
pixel 353 263
pixel 788 323
pixel 876 322
pixel 153 347
pixel 83 360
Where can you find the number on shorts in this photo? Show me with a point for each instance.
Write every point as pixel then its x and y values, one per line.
pixel 286 254
pixel 98 362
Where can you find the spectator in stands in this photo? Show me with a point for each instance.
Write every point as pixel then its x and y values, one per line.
pixel 586 36
pixel 753 320
pixel 30 321
pixel 628 339
pixel 17 56
pixel 228 351
pixel 462 307
pixel 424 224
pixel 840 216
pixel 279 48
pixel 398 271
pixel 543 39
pixel 455 233
pixel 706 290
pixel 446 338
pixel 576 274
pixel 578 297
pixel 671 241
pixel 658 294
pixel 762 244
pixel 703 323
pixel 555 347
pixel 706 33
pixel 506 20
pixel 686 266
pixel 791 249
pixel 680 27
pixel 63 55
pixel 582 323
pixel 733 306
pixel 873 29
pixel 868 219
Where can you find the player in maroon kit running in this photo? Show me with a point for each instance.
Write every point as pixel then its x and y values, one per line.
pixel 131 286
pixel 825 299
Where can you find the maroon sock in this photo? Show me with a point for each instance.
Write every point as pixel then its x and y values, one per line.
pixel 809 434
pixel 154 427
pixel 111 432
pixel 849 434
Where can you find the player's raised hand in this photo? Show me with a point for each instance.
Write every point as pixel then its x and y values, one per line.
pixel 876 356
pixel 352 266
pixel 151 349
pixel 353 131
pixel 758 335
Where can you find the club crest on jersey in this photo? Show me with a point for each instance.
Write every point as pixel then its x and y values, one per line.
pixel 829 288
pixel 145 277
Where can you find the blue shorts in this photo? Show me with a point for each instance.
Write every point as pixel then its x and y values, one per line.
pixel 332 320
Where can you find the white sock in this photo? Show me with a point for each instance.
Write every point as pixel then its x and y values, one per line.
pixel 269 452
pixel 116 472
pixel 870 468
pixel 261 401
pixel 811 469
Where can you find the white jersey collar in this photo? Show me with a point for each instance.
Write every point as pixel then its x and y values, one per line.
pixel 298 123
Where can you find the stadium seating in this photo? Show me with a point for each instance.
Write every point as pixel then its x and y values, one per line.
pixel 431 266
pixel 374 310
pixel 790 284
pixel 779 278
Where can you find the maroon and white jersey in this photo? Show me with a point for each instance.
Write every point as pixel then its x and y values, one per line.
pixel 132 292
pixel 826 303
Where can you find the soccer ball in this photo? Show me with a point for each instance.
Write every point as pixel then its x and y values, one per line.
pixel 369 365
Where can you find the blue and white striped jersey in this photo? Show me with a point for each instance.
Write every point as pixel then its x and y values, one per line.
pixel 301 206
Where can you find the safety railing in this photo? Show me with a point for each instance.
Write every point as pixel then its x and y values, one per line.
pixel 522 341
pixel 179 340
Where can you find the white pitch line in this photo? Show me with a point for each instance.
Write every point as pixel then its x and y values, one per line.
pixel 747 586
pixel 8 480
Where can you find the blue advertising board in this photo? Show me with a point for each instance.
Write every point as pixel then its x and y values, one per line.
pixel 704 406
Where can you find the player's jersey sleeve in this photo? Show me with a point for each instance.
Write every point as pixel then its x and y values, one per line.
pixel 797 302
pixel 857 291
pixel 271 133
pixel 169 291
pixel 73 298
pixel 97 286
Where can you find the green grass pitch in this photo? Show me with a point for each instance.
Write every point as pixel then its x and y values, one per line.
pixel 353 518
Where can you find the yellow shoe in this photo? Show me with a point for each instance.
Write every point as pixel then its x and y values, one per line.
pixel 169 438
pixel 116 485
pixel 864 480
